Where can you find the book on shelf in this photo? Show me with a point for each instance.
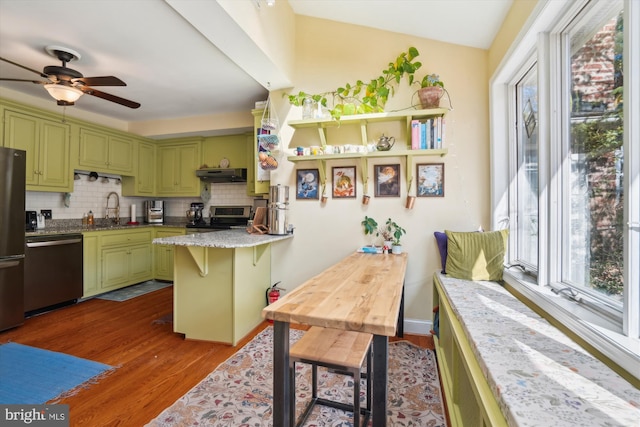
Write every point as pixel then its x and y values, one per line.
pixel 415 134
pixel 427 134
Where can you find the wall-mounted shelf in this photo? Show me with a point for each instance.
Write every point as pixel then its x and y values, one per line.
pixel 362 120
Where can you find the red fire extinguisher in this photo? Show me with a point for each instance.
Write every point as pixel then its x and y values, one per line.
pixel 273 293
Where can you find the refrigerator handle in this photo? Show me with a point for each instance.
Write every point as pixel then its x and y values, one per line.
pixel 9 263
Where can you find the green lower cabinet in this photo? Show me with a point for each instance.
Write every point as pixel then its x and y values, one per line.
pixel 125 266
pixel 163 254
pixel 115 267
pixel 115 259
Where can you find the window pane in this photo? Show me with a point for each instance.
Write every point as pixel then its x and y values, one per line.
pixel 596 204
pixel 527 177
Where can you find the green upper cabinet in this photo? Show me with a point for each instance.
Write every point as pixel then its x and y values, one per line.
pixel 47 145
pixel 104 152
pixel 176 168
pixel 230 147
pixel 143 183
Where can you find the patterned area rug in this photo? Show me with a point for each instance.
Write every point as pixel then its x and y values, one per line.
pixel 239 391
pixel 134 290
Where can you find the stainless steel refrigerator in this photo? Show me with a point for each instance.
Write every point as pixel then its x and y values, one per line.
pixel 12 232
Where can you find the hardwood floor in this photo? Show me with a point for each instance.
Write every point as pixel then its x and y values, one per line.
pixel 155 365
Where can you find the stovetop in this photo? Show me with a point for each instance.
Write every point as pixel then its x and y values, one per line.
pixel 224 217
pixel 219 223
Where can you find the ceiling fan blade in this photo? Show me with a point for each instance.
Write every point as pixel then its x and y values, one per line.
pixel 101 81
pixel 40 73
pixel 24 80
pixel 108 97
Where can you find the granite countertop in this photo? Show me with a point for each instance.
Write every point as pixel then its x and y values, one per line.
pixel 234 238
pixel 75 226
pixel 540 377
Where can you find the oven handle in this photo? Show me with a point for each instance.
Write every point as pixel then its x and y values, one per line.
pixel 53 243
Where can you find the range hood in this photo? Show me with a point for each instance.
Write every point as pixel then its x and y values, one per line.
pixel 222 175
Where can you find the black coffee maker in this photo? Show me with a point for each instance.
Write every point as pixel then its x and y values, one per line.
pixel 194 214
pixel 31 220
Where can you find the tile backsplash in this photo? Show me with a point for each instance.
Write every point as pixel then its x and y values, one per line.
pixel 92 196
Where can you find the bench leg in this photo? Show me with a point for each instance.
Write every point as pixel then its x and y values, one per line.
pixel 356 397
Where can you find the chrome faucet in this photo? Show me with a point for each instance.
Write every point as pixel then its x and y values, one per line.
pixel 115 210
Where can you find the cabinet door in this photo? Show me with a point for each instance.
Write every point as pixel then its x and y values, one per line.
pixel 176 172
pixel 54 155
pixel 146 168
pixel 140 263
pixel 91 265
pixel 115 267
pixel 94 149
pixel 167 165
pixel 188 182
pixel 231 147
pixel 142 181
pixel 120 154
pixel 22 132
pixel 163 255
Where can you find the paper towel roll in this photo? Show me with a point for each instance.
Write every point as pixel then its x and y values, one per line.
pixel 133 213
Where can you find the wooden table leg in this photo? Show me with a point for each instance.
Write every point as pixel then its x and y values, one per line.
pixel 380 363
pixel 281 376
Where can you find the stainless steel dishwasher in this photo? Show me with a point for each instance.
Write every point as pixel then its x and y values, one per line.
pixel 52 271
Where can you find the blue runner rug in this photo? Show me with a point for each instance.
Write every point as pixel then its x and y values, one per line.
pixel 30 375
pixel 133 291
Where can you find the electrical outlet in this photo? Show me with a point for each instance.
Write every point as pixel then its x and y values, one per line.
pixel 46 213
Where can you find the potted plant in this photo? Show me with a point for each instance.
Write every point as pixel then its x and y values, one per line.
pixel 361 97
pixel 387 236
pixel 396 231
pixel 370 226
pixel 431 90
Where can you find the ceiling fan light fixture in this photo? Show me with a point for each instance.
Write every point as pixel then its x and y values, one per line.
pixel 67 94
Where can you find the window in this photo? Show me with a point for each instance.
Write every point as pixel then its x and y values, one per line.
pixel 527 170
pixel 571 193
pixel 593 176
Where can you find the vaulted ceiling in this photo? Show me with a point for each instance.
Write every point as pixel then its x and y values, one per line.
pixel 176 71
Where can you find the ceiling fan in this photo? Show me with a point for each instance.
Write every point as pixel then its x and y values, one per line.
pixel 66 85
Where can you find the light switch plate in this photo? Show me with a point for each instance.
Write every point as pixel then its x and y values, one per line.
pixel 46 213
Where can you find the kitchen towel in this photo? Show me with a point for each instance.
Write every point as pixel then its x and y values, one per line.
pixel 35 376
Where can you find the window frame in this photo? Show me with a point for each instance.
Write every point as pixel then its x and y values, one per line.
pixel 540 41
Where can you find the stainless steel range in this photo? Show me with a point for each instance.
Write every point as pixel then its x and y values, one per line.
pixel 223 218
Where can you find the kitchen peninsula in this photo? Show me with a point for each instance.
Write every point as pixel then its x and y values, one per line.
pixel 220 280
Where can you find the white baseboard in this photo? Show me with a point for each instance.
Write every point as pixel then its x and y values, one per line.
pixel 418 327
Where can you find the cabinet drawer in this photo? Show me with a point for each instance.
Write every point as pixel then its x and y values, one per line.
pixel 131 238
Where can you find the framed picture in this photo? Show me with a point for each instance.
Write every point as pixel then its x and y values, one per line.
pixel 344 182
pixel 430 178
pixel 386 180
pixel 307 184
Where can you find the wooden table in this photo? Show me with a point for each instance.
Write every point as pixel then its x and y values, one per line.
pixel 363 292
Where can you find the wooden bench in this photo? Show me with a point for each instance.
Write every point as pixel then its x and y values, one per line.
pixel 343 352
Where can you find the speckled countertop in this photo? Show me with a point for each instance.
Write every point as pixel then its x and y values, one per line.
pixel 235 238
pixel 540 377
pixel 70 226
